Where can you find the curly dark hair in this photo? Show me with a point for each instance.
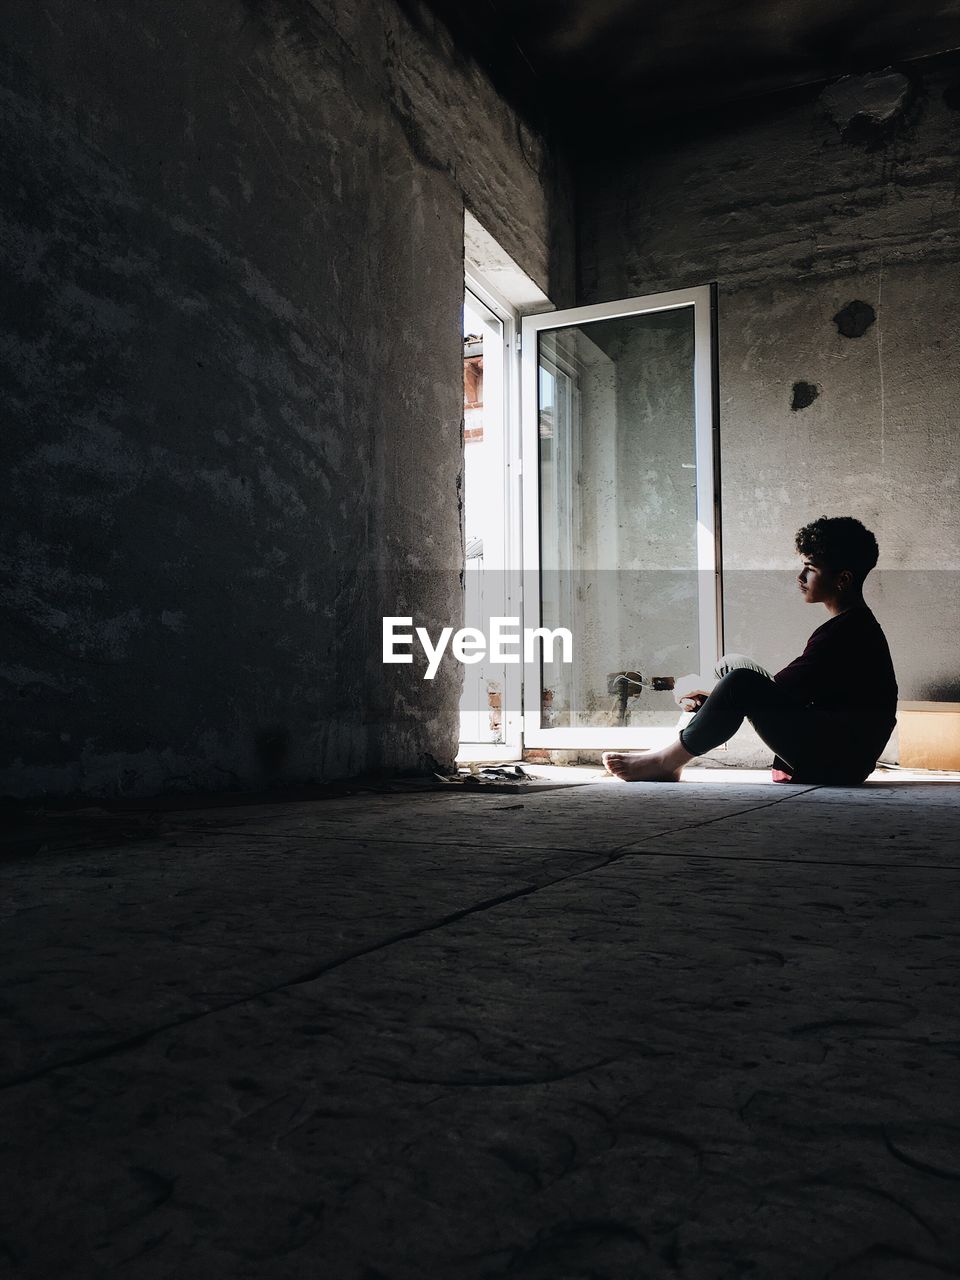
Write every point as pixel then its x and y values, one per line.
pixel 839 542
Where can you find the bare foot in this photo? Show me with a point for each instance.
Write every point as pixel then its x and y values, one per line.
pixel 642 766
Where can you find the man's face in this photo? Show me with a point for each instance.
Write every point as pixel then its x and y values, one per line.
pixel 817 582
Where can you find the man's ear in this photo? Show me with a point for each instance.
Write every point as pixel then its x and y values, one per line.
pixel 844 580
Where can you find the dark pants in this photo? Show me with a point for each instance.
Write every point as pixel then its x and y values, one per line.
pixel 815 744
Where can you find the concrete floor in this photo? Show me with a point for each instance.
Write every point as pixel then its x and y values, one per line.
pixel 702 1031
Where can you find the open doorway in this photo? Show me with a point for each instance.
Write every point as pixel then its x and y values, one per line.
pixel 498 293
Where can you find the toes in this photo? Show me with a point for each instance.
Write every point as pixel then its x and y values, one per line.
pixel 618 767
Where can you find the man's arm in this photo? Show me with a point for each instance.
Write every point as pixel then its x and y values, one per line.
pixel 815 670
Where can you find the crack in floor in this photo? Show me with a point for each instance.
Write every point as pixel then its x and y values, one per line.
pixel 639 847
pixel 633 846
pixel 406 935
pixel 141 1038
pixel 497 1081
pixel 462 844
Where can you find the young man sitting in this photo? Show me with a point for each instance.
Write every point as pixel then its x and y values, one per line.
pixel 828 715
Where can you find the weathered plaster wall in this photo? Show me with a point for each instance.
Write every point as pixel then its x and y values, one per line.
pixel 231 241
pixel 798 207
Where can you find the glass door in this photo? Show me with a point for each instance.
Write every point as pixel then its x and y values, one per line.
pixel 620 528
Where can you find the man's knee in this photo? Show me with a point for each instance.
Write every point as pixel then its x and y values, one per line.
pixel 730 661
pixel 735 662
pixel 743 684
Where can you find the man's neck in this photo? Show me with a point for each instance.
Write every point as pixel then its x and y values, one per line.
pixel 836 607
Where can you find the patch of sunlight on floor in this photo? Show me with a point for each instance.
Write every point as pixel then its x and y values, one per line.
pixel 723 775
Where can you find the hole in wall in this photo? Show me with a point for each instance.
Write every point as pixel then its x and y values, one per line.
pixel 854 319
pixel 804 394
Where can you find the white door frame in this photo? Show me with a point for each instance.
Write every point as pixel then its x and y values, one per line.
pixel 512 721
pixel 703 302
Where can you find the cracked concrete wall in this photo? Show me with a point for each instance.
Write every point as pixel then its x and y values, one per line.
pixel 798 207
pixel 232 242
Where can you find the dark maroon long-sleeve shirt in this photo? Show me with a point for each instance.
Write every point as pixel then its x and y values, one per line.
pixel 846 666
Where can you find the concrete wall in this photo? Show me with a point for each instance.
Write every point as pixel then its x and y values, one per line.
pixel 799 206
pixel 231 237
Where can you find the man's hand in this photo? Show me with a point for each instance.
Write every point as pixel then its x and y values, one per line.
pixel 689 693
pixel 692 699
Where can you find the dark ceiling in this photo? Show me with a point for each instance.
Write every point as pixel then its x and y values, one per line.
pixel 576 61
